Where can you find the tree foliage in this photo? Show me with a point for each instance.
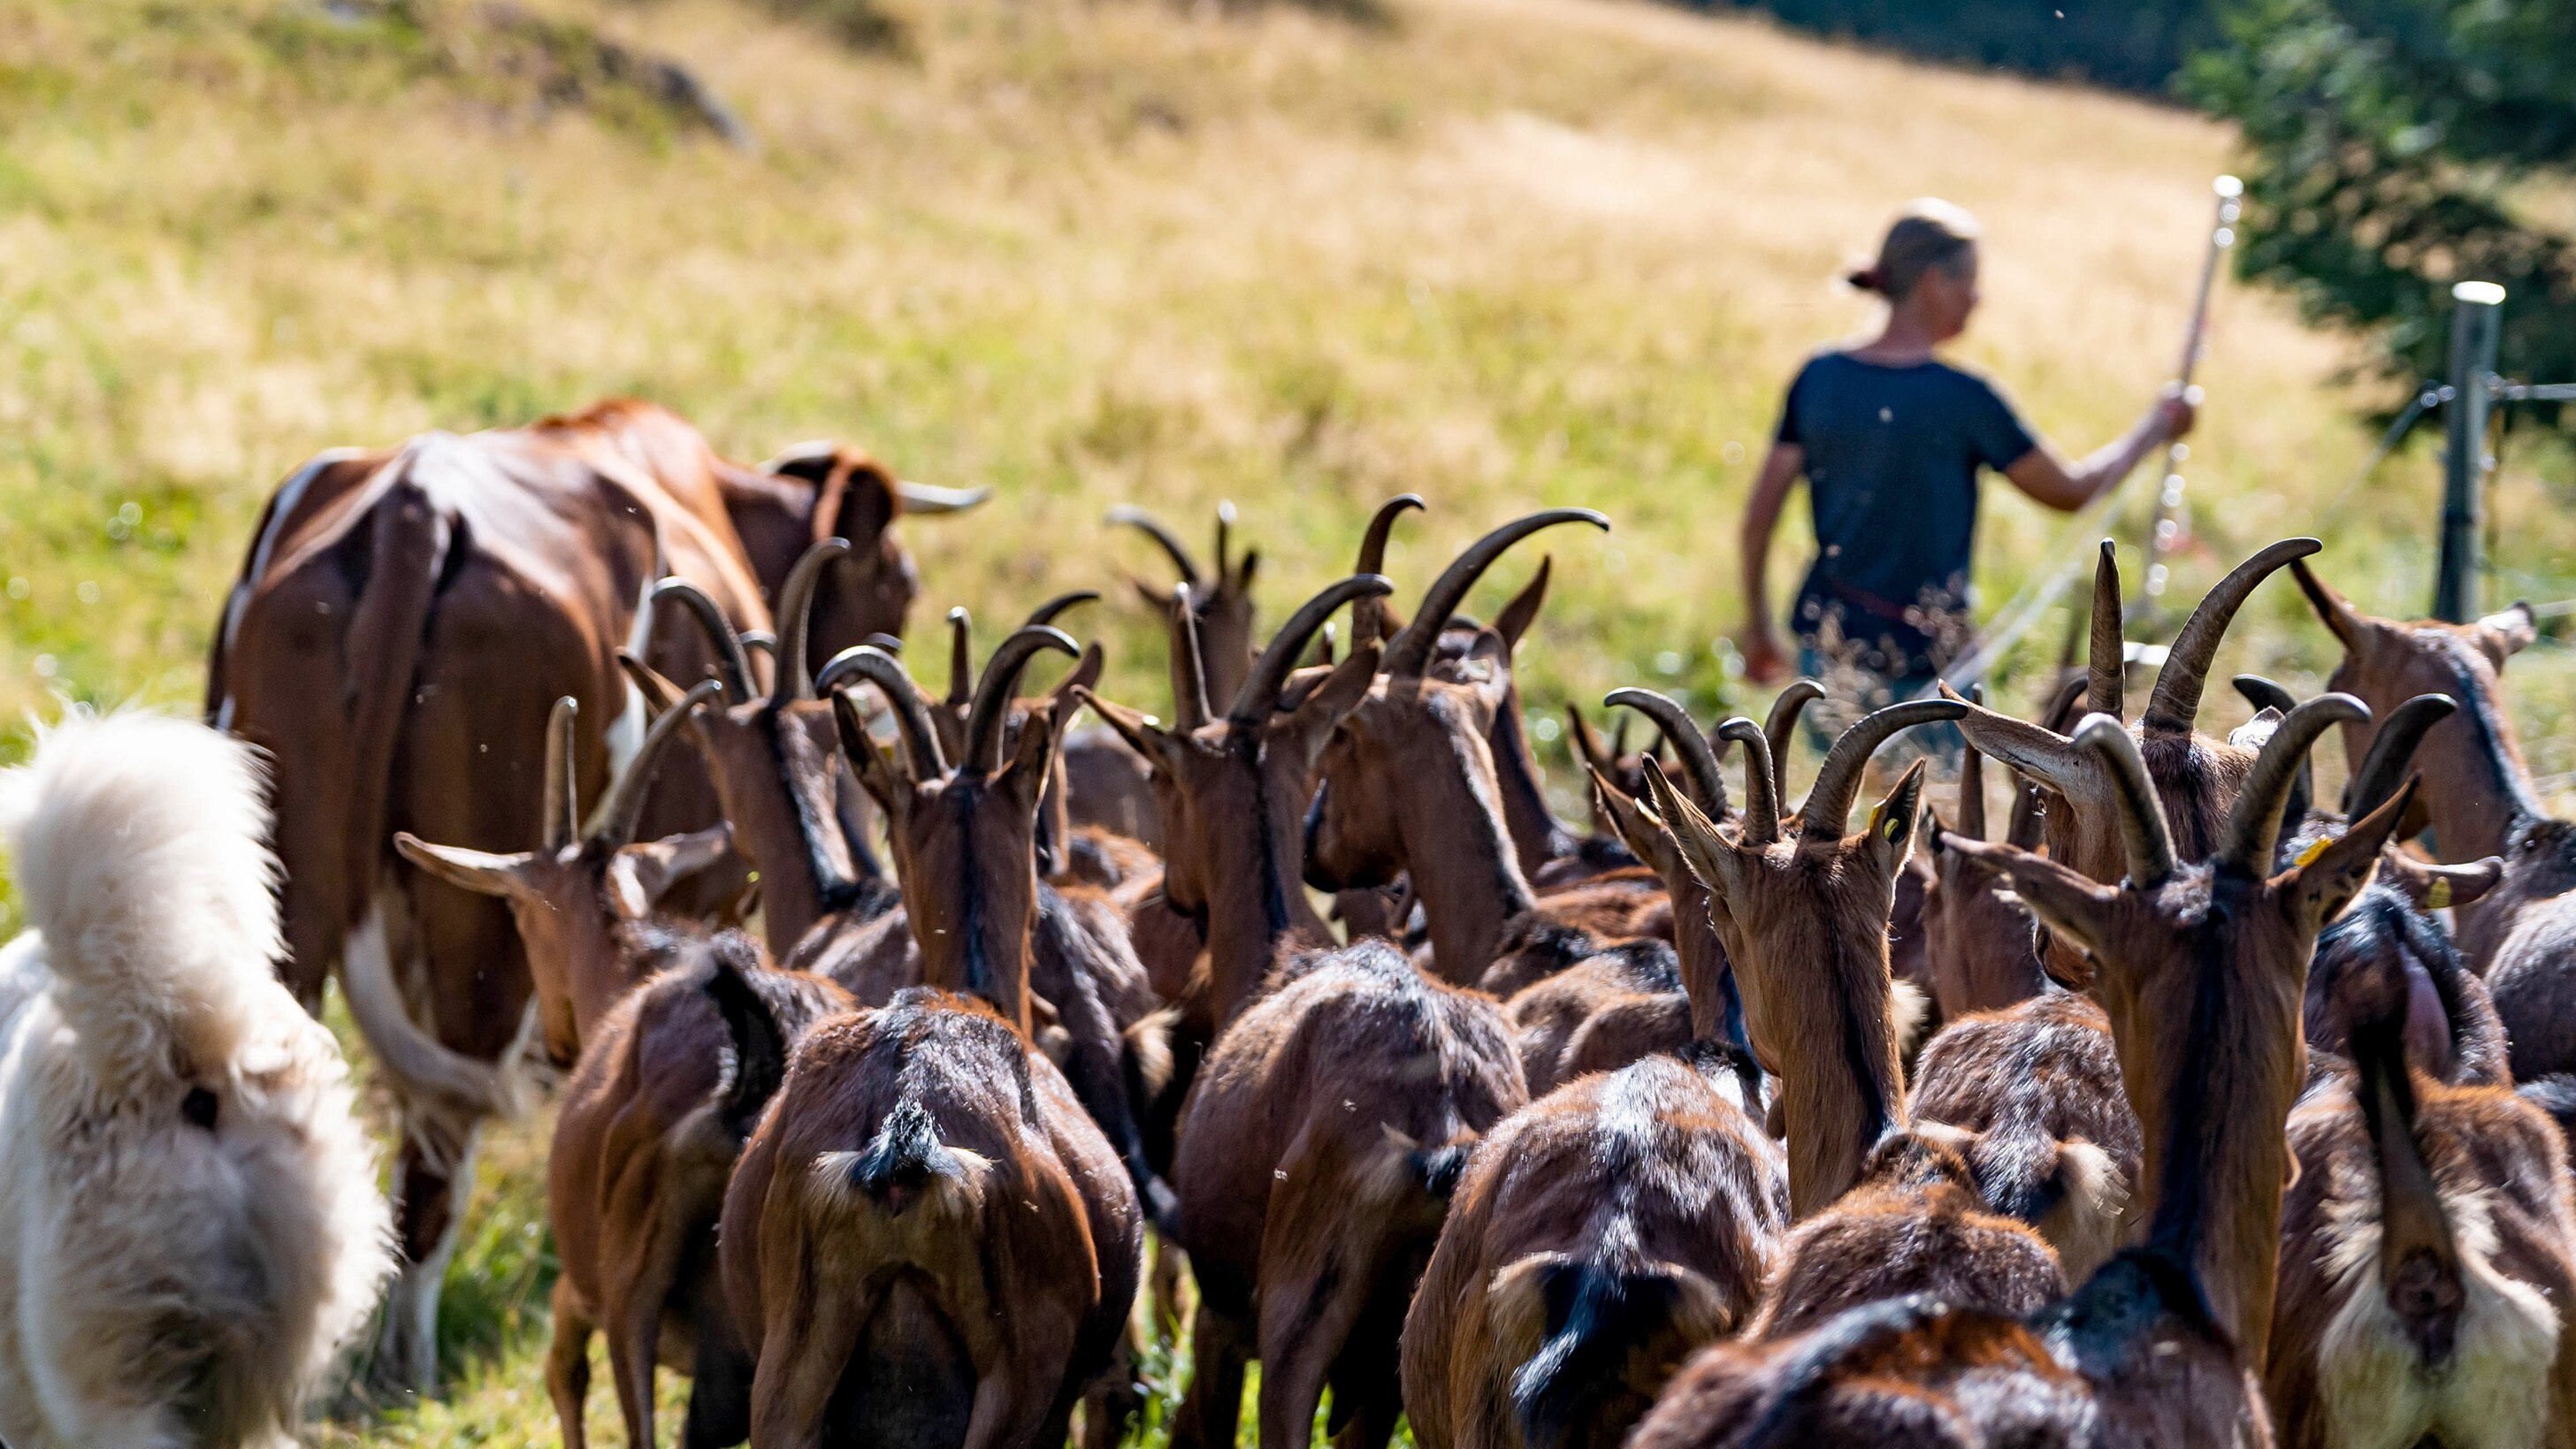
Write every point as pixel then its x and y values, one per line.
pixel 2132 44
pixel 2399 146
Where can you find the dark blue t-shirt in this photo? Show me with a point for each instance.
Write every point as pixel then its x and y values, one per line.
pixel 1892 458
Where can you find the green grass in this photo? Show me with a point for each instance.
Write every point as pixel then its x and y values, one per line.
pixel 1500 252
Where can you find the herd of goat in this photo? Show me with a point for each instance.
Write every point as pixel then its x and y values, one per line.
pixel 2197 1110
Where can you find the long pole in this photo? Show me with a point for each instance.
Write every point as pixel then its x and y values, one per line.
pixel 2477 320
pixel 2164 527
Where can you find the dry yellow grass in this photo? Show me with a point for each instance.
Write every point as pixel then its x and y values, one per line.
pixel 1500 252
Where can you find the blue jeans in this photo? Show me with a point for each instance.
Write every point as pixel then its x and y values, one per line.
pixel 1858 692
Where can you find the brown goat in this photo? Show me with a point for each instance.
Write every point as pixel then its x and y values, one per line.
pixel 2425 1268
pixel 1315 1161
pixel 1409 781
pixel 1980 951
pixel 637 1170
pixel 926 1242
pixel 2200 968
pixel 1598 1236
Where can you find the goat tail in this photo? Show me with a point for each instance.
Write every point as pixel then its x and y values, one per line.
pixel 759 1047
pixel 142 865
pixel 1588 1334
pixel 905 1162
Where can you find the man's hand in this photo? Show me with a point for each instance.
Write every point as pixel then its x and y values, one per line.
pixel 1763 661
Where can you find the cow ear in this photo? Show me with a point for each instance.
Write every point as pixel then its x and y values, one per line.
pixel 482 872
pixel 643 873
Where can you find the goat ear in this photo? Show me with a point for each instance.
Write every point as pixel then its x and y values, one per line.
pixel 1139 730
pixel 1645 839
pixel 1487 669
pixel 2507 632
pixel 658 689
pixel 1710 856
pixel 478 871
pixel 1522 611
pixel 875 770
pixel 1891 821
pixel 2317 889
pixel 1027 770
pixel 2073 905
pixel 640 874
pixel 1331 700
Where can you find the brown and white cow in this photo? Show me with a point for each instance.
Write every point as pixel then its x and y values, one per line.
pixel 401 625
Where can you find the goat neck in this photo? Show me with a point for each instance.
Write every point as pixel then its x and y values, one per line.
pixel 2202 970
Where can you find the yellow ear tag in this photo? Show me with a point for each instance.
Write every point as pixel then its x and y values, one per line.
pixel 2439 897
pixel 2315 849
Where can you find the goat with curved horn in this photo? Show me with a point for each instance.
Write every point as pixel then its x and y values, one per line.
pixel 1260 692
pixel 1829 800
pixel 1048 612
pixel 1368 620
pixel 1409 653
pixel 612 824
pixel 2176 699
pixel 2254 826
pixel 2392 749
pixel 733 664
pixel 961 657
pixel 561 817
pixel 2143 833
pixel 1761 784
pixel 983 748
pixel 1129 515
pixel 1780 726
pixel 796 619
pixel 2106 665
pixel 911 717
pixel 1698 760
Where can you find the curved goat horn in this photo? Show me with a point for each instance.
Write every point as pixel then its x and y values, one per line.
pixel 982 752
pixel 1136 518
pixel 1224 536
pixel 2383 768
pixel 561 818
pixel 2254 826
pixel 1048 612
pixel 2176 700
pixel 613 823
pixel 796 619
pixel 733 666
pixel 1972 781
pixel 1260 691
pixel 1781 725
pixel 1410 651
pixel 1368 619
pixel 961 657
pixel 1761 787
pixel 2142 818
pixel 1829 800
pixel 2106 663
pixel 2060 714
pixel 911 716
pixel 1698 760
pixel 2265 693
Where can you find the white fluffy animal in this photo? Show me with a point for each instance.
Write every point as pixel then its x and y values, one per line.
pixel 189 1223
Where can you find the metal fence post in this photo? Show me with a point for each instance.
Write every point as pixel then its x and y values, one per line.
pixel 2477 318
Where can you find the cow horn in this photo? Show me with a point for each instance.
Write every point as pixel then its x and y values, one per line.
pixel 2176 700
pixel 1410 652
pixel 1782 723
pixel 2383 768
pixel 930 498
pixel 2106 666
pixel 2133 798
pixel 1260 691
pixel 1829 800
pixel 561 820
pixel 1368 617
pixel 2254 826
pixel 911 716
pixel 1136 518
pixel 1698 760
pixel 613 823
pixel 796 620
pixel 1048 612
pixel 733 666
pixel 1761 786
pixel 982 753
pixel 961 657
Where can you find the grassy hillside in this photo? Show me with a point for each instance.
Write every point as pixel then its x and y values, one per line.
pixel 1500 252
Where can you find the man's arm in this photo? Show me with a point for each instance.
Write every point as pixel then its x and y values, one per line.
pixel 2045 477
pixel 1763 661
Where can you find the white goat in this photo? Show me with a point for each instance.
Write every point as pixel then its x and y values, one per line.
pixel 189 1223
